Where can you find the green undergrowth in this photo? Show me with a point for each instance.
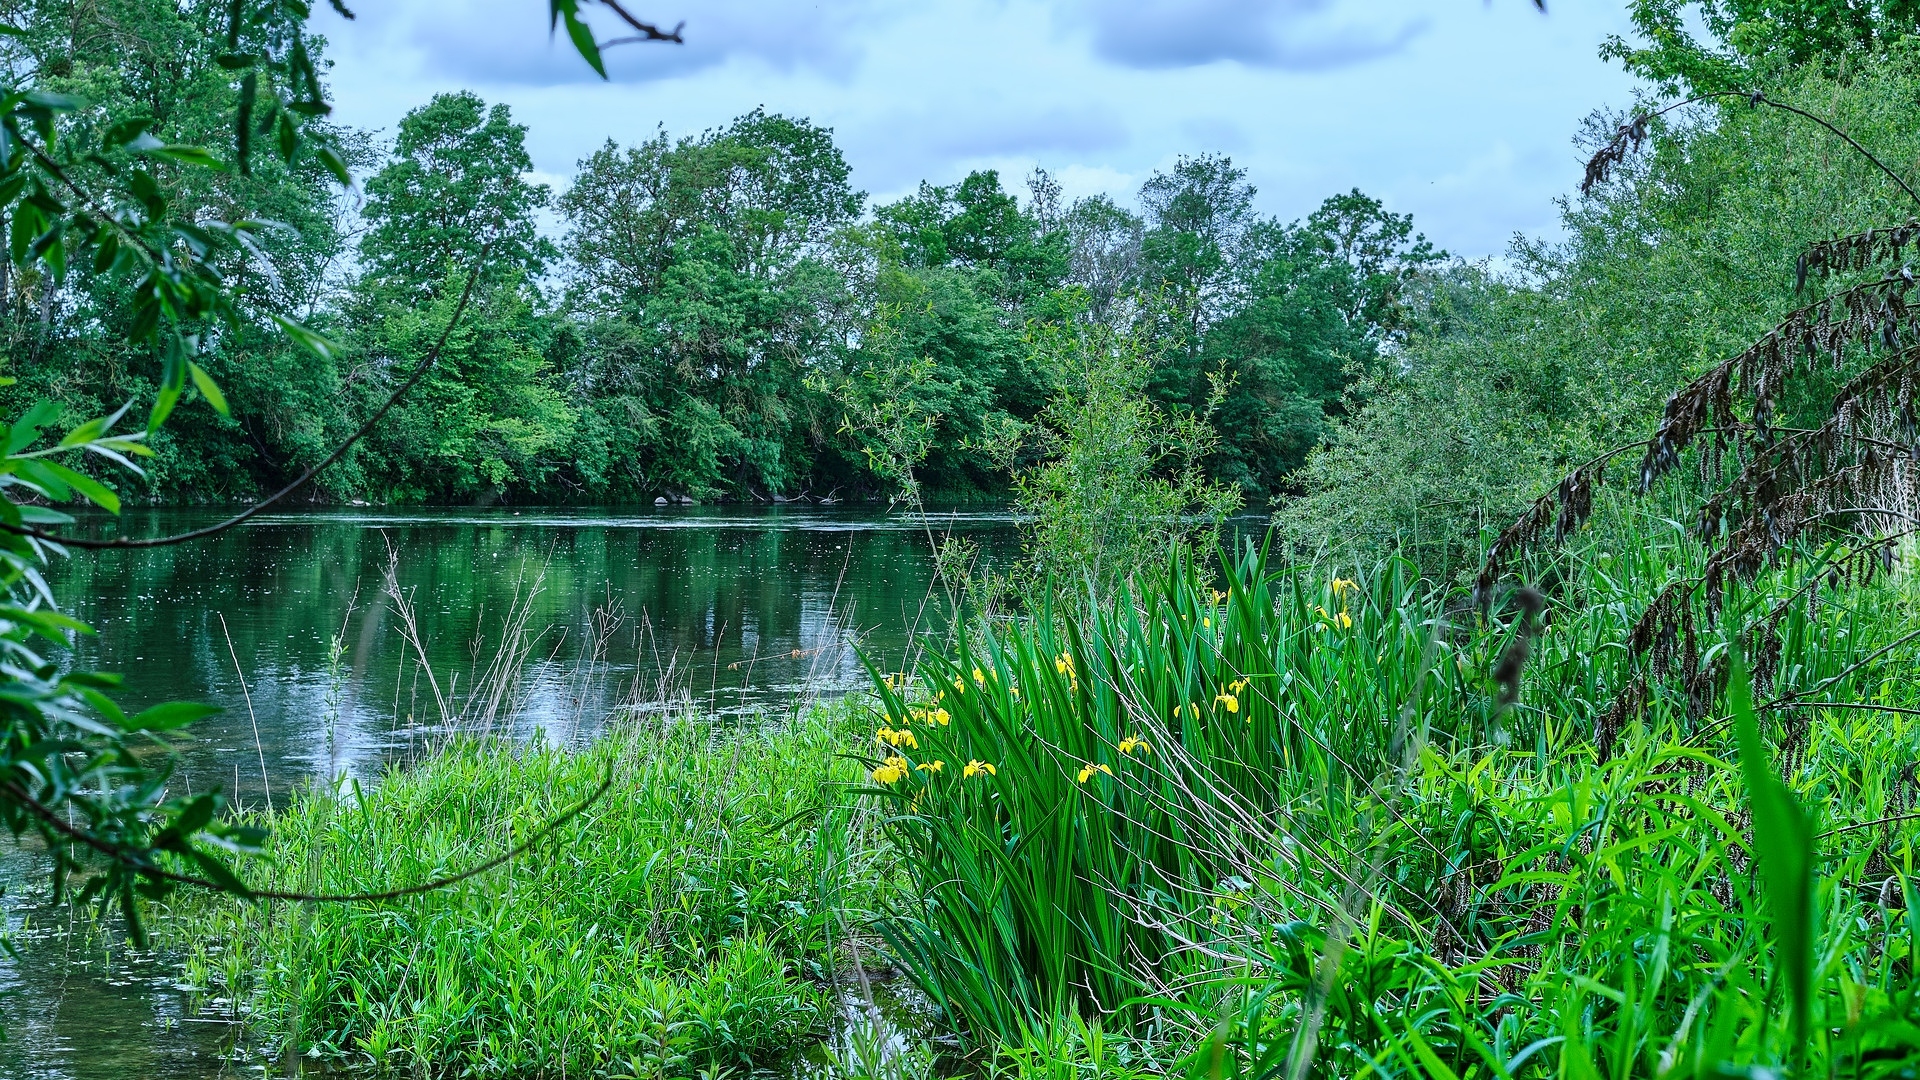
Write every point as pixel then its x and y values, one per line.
pixel 1269 821
pixel 688 921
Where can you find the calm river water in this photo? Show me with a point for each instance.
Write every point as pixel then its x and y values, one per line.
pixel 745 610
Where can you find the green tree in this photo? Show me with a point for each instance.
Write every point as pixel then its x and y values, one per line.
pixel 487 421
pixel 1750 42
pixel 1505 383
pixel 706 266
pixel 455 189
pixel 71 339
pixel 1197 217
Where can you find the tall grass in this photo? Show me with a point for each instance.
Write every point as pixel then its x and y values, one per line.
pixel 689 920
pixel 1289 822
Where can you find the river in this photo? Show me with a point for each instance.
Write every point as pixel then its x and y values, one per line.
pixel 288 623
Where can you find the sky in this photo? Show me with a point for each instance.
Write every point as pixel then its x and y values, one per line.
pixel 1460 112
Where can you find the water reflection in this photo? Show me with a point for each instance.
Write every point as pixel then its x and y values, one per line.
pixel 744 610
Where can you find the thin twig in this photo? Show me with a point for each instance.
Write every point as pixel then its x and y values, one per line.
pixel 265 784
pixel 121 854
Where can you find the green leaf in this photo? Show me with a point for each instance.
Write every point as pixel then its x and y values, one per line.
pixel 126 131
pixel 41 475
pixel 27 429
pixel 1783 838
pixel 312 342
pixel 331 159
pixel 568 11
pixel 171 715
pixel 218 873
pixel 95 492
pixel 188 155
pixel 57 102
pixel 208 388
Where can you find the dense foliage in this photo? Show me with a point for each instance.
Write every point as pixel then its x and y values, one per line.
pixel 1652 817
pixel 1682 259
pixel 694 329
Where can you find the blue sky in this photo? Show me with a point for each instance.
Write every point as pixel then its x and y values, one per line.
pixel 1461 112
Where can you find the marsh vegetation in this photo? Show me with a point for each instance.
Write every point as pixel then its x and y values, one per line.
pixel 1560 721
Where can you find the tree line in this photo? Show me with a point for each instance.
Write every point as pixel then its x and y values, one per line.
pixel 704 320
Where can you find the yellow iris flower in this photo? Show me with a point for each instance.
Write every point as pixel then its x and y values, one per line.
pixel 976 767
pixel 1086 772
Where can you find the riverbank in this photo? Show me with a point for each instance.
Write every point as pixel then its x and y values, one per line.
pixel 701 914
pixel 1184 831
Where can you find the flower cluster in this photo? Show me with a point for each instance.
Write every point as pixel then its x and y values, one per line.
pixel 931 716
pixel 1229 699
pixel 900 737
pixel 890 771
pixel 1339 587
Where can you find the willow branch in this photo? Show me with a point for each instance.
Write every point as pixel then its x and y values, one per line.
pixel 1754 97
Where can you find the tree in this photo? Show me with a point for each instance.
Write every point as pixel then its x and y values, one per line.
pixel 456 189
pixel 93 198
pixel 976 225
pixel 1197 219
pixel 487 421
pixel 709 260
pixel 1751 41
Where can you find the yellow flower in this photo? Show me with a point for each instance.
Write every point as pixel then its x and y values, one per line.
pixel 1341 586
pixel 1086 772
pixel 890 771
pixel 1343 620
pixel 978 677
pixel 1217 595
pixel 976 767
pixel 931 766
pixel 1228 702
pixel 1237 685
pixel 1207 622
pixel 1014 690
pixel 939 716
pixel 1134 742
pixel 902 737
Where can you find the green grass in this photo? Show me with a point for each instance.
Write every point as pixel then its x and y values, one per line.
pixel 1348 839
pixel 687 921
pixel 1242 822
